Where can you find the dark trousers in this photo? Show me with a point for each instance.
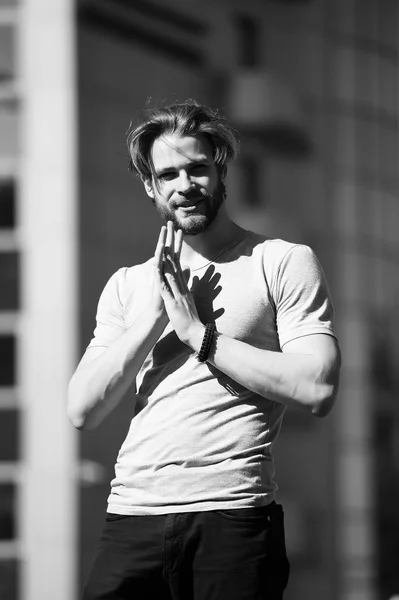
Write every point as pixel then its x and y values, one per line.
pixel 217 555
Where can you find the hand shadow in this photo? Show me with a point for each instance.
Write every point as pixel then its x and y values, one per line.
pixel 205 290
pixel 169 353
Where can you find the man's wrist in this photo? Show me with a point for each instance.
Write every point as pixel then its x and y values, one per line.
pixel 195 336
pixel 158 317
pixel 207 342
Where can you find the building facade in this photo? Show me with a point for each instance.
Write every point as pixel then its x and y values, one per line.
pixel 312 87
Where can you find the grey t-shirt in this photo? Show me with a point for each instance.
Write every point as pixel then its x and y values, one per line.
pixel 198 440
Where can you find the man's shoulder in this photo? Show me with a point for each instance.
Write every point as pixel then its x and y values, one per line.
pixel 126 278
pixel 136 271
pixel 273 249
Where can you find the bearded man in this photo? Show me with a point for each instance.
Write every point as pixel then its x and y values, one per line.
pixel 212 353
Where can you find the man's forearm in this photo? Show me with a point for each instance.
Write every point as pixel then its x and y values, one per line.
pixel 292 379
pixel 99 385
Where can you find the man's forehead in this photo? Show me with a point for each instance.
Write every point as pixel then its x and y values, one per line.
pixel 173 147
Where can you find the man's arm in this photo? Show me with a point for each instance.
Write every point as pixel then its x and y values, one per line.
pixel 108 370
pixel 305 374
pixel 105 374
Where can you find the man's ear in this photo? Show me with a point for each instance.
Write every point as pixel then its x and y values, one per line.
pixel 223 172
pixel 148 187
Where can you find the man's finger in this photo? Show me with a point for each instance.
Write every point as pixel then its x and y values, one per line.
pixel 170 236
pixel 178 243
pixel 172 284
pixel 160 248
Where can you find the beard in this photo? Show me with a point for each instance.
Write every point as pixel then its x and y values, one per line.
pixel 193 224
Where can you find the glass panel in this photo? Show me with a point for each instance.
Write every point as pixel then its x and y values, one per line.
pixel 9 435
pixel 347 218
pixel 7 204
pixel 388 23
pixel 9 131
pixel 6 52
pixel 248 40
pixel 367 78
pixel 345 141
pixel 251 180
pixel 7 360
pixel 388 87
pixel 9 579
pixel 344 73
pixel 367 145
pixel 366 18
pixel 9 280
pixel 388 151
pixel 7 511
pixel 344 15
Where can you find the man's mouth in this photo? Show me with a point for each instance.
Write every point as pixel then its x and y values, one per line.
pixel 191 205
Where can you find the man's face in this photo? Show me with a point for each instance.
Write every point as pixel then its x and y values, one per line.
pixel 186 187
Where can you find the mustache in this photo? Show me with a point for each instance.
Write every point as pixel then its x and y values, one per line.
pixel 193 197
pixel 196 196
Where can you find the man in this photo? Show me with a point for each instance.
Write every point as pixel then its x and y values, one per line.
pixel 211 353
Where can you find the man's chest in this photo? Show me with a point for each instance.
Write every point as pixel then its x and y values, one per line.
pixel 236 299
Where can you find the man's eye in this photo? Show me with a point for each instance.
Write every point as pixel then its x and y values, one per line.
pixel 199 168
pixel 167 176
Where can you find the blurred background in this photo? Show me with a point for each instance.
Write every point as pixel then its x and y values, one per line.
pixel 313 88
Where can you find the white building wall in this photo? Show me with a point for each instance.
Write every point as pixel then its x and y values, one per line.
pixel 48 243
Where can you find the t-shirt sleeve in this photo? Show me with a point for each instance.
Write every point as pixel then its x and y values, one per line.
pixel 110 322
pixel 303 302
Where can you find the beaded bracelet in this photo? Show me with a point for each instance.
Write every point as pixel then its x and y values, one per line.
pixel 203 354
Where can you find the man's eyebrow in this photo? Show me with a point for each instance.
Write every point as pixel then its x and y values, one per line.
pixel 196 161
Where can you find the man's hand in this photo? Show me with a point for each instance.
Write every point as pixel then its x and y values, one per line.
pixel 167 241
pixel 172 284
pixel 157 302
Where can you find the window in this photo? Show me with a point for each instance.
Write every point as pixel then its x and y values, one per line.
pixel 344 73
pixel 388 23
pixel 367 145
pixel 366 18
pixel 251 180
pixel 9 435
pixel 7 204
pixel 345 139
pixel 366 77
pixel 248 41
pixel 9 131
pixel 7 511
pixel 6 52
pixel 344 15
pixel 388 151
pixel 9 281
pixel 9 579
pixel 345 202
pixel 7 360
pixel 388 82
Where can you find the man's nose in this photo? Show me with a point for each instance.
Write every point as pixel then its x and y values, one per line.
pixel 185 184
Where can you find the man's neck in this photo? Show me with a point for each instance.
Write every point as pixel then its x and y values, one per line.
pixel 200 248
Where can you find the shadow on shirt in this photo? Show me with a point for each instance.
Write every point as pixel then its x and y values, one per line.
pixel 169 353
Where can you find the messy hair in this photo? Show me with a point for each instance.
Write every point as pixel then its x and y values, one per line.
pixel 188 118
